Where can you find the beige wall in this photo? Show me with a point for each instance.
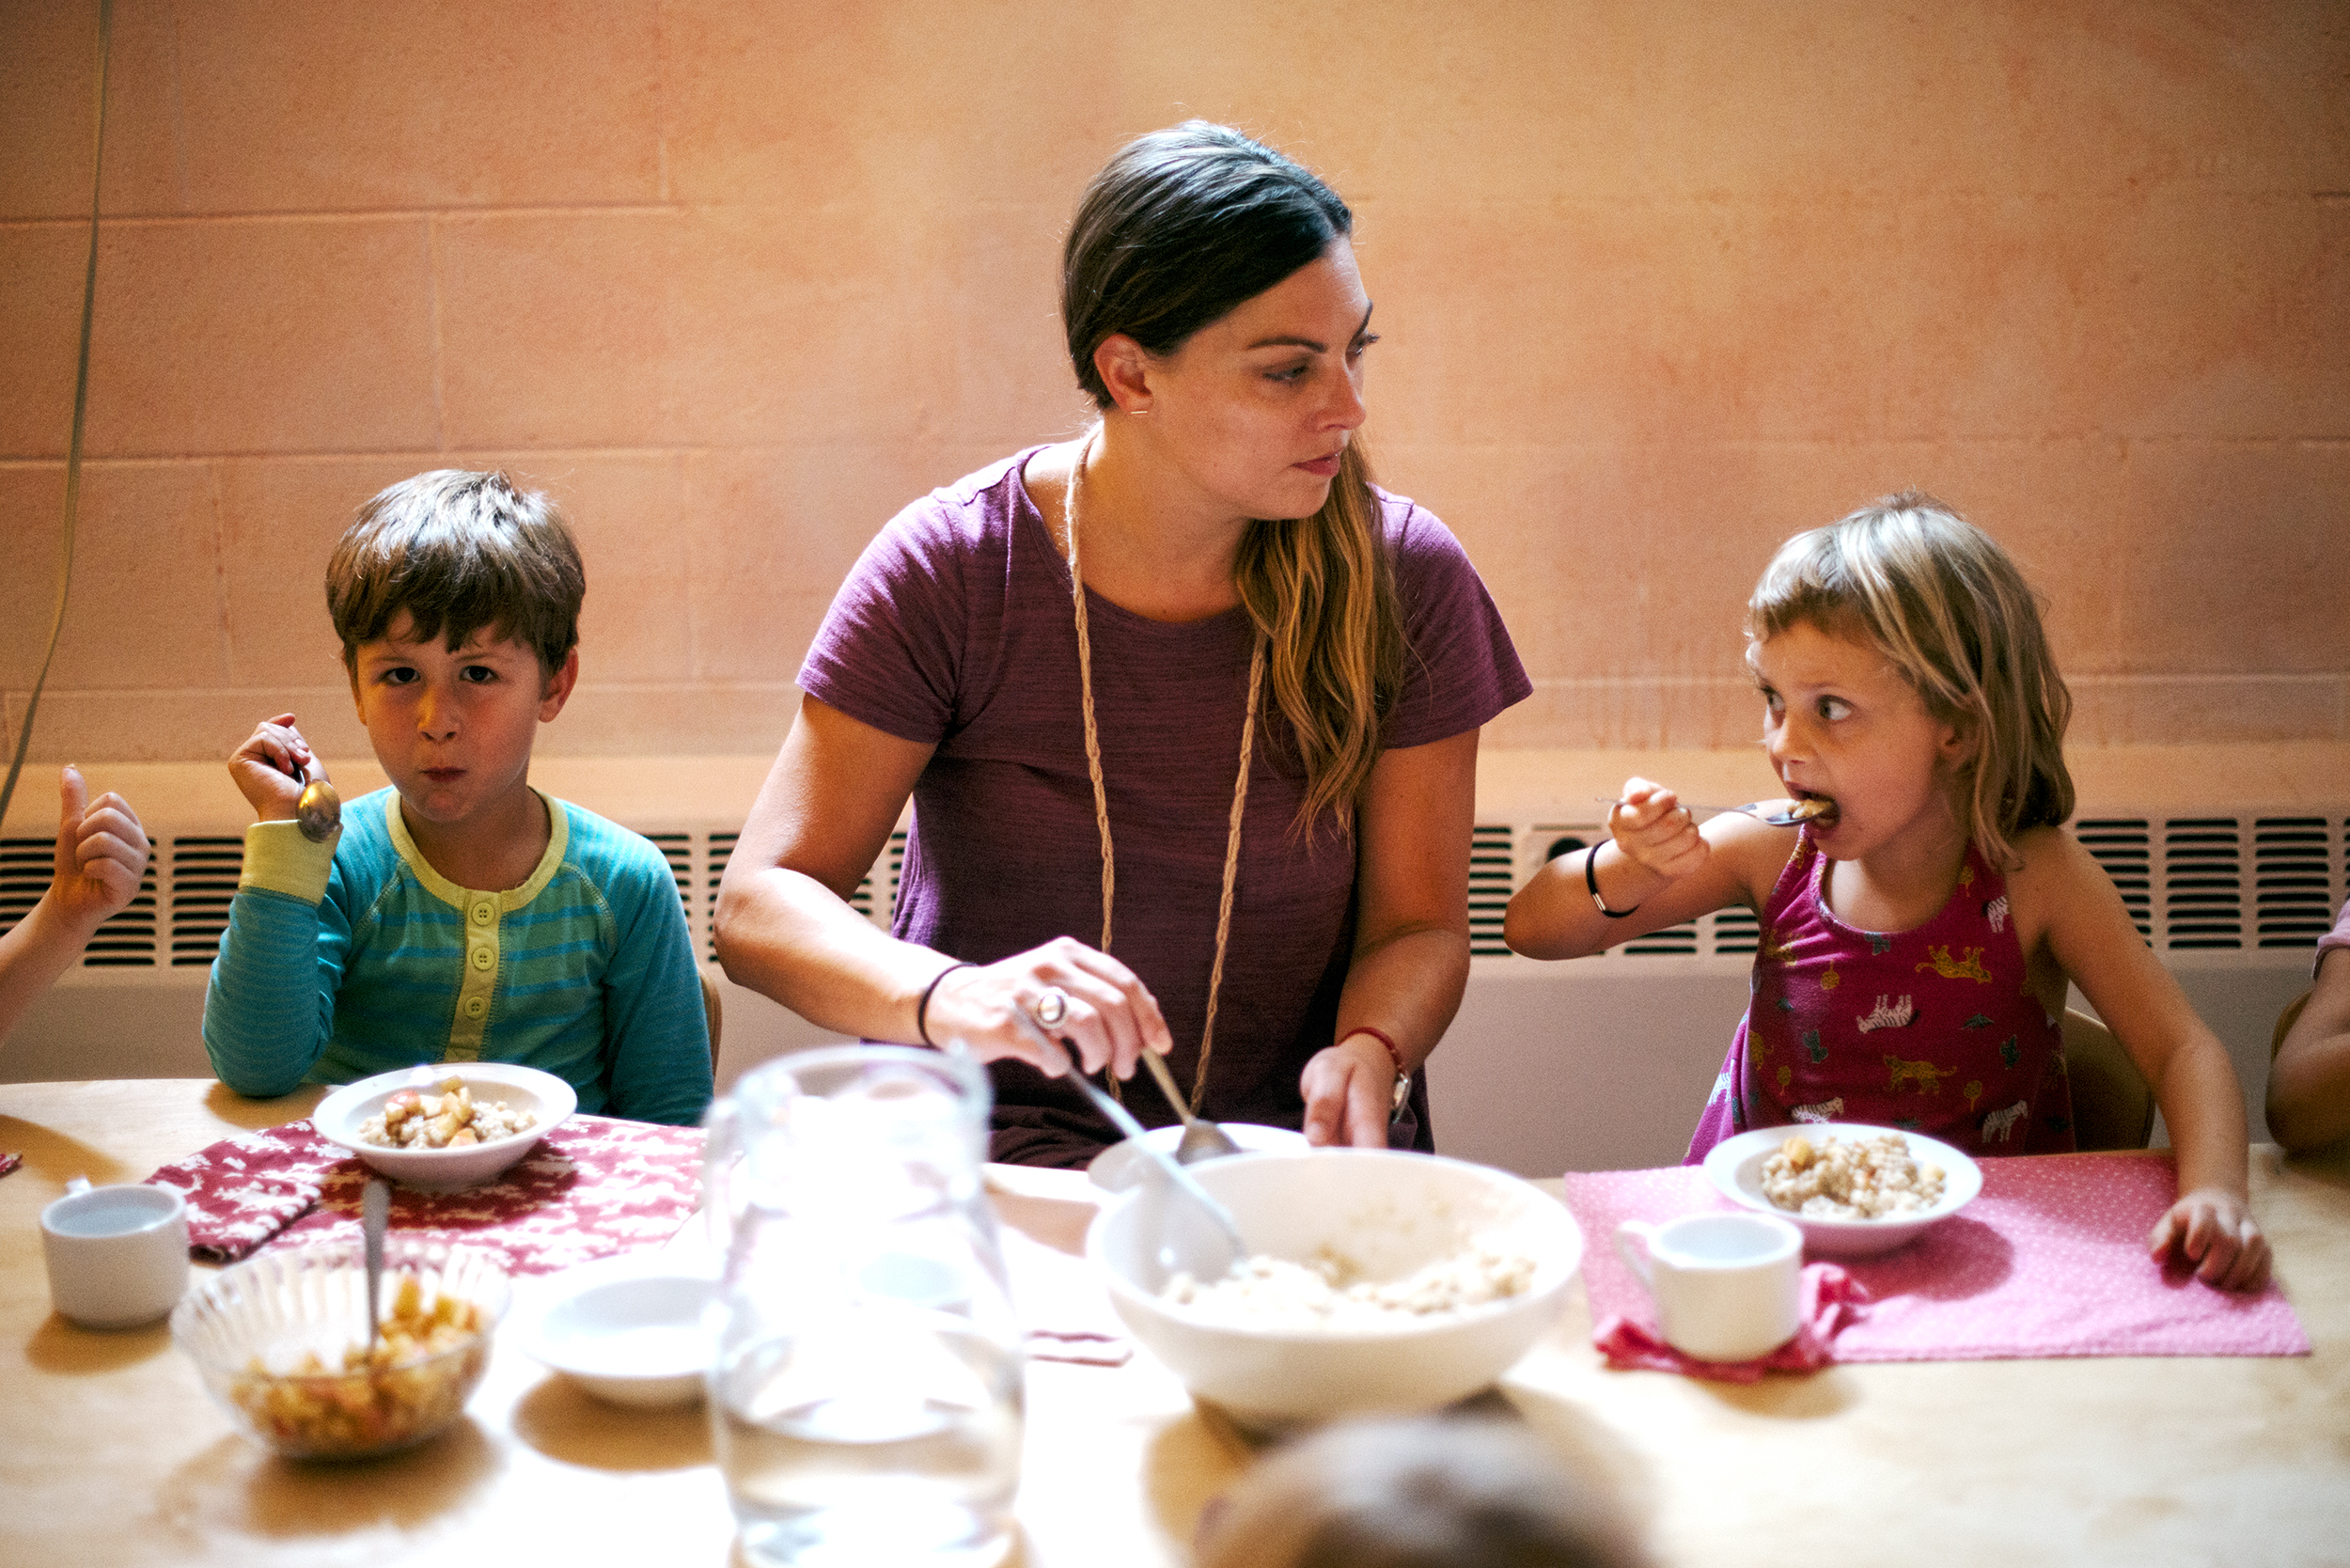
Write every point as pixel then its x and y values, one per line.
pixel 1659 284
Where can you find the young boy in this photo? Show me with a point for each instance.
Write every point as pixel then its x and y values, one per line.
pixel 460 915
pixel 102 850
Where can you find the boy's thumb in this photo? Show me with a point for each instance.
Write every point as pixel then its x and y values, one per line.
pixel 73 794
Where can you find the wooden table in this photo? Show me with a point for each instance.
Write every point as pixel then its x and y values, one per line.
pixel 111 1453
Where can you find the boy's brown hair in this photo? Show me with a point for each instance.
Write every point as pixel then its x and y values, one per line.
pixel 458 551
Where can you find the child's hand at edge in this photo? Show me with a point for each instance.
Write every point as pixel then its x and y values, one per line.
pixel 268 768
pixel 102 854
pixel 2212 1229
pixel 1652 829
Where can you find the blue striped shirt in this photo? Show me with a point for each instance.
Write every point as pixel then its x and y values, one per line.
pixel 344 960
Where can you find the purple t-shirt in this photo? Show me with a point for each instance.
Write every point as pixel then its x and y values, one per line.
pixel 955 630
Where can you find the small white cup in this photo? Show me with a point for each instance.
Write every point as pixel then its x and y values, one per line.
pixel 117 1256
pixel 1728 1286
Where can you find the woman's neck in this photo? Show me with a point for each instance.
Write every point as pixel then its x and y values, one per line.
pixel 1139 544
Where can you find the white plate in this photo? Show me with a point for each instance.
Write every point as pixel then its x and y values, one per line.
pixel 626 1329
pixel 523 1089
pixel 1735 1168
pixel 1113 1168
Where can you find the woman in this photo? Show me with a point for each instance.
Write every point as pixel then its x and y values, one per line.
pixel 1215 805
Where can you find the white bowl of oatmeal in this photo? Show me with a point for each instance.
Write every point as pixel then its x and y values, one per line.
pixel 1378 1283
pixel 1853 1190
pixel 506 1109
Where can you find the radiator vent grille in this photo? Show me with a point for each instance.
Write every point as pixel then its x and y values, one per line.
pixel 2247 884
pixel 1489 888
pixel 2293 883
pixel 2202 883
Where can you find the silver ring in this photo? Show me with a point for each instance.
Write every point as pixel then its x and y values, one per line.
pixel 1051 1007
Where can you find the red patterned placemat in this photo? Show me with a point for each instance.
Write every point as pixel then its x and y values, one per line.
pixel 2050 1259
pixel 593 1186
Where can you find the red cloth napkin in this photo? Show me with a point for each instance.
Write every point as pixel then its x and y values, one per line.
pixel 1830 1300
pixel 2050 1259
pixel 593 1186
pixel 243 1190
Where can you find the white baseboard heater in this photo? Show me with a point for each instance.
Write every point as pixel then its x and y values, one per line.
pixel 1597 1063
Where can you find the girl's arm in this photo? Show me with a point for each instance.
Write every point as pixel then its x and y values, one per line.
pixel 2065 902
pixel 1658 864
pixel 102 853
pixel 1413 824
pixel 785 927
pixel 2309 1084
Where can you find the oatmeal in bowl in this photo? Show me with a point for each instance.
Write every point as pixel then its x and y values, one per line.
pixel 447 1125
pixel 1853 1191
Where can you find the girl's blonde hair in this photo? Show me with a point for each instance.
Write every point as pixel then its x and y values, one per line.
pixel 1180 227
pixel 1948 611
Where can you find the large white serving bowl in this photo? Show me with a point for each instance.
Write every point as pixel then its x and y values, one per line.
pixel 1735 1166
pixel 1115 1168
pixel 545 1096
pixel 1387 1212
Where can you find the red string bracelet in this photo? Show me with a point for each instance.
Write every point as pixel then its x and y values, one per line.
pixel 1395 1055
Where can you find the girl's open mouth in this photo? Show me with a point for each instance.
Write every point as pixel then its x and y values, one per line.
pixel 1813 808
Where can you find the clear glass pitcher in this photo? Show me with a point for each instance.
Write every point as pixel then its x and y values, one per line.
pixel 864 1387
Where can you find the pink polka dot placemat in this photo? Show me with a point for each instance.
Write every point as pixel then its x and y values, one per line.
pixel 594 1187
pixel 2050 1259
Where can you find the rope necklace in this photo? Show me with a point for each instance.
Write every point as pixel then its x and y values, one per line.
pixel 1100 792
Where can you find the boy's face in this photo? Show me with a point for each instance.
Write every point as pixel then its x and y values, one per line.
pixel 454 731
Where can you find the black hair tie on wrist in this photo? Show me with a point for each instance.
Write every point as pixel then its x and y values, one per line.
pixel 1591 880
pixel 922 1007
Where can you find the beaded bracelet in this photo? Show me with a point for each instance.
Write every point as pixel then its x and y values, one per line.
pixel 1591 880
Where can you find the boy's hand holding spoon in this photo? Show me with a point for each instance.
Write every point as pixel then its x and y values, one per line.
pixel 284 782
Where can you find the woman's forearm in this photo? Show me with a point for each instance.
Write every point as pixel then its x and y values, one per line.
pixel 787 937
pixel 1409 986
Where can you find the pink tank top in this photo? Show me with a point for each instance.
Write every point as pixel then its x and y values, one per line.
pixel 1933 1029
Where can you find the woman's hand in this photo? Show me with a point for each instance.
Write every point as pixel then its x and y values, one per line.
pixel 268 768
pixel 1650 827
pixel 2212 1229
pixel 102 853
pixel 1107 1016
pixel 1349 1090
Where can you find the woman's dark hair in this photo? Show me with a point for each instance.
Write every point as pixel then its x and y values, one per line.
pixel 1179 228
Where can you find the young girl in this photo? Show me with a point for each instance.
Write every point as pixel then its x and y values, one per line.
pixel 1917 933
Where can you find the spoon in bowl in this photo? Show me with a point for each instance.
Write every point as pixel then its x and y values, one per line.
pixel 1772 814
pixel 1202 1138
pixel 1197 1235
pixel 375 1210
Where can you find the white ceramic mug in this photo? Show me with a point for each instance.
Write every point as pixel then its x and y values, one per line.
pixel 119 1255
pixel 1727 1285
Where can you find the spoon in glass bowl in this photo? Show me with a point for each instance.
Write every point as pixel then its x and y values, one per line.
pixel 1774 813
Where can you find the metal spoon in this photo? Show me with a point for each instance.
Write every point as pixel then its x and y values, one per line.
pixel 1197 1235
pixel 375 1211
pixel 1202 1138
pixel 1774 813
pixel 320 810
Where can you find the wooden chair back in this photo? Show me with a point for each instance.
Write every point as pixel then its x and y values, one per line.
pixel 711 1012
pixel 2113 1106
